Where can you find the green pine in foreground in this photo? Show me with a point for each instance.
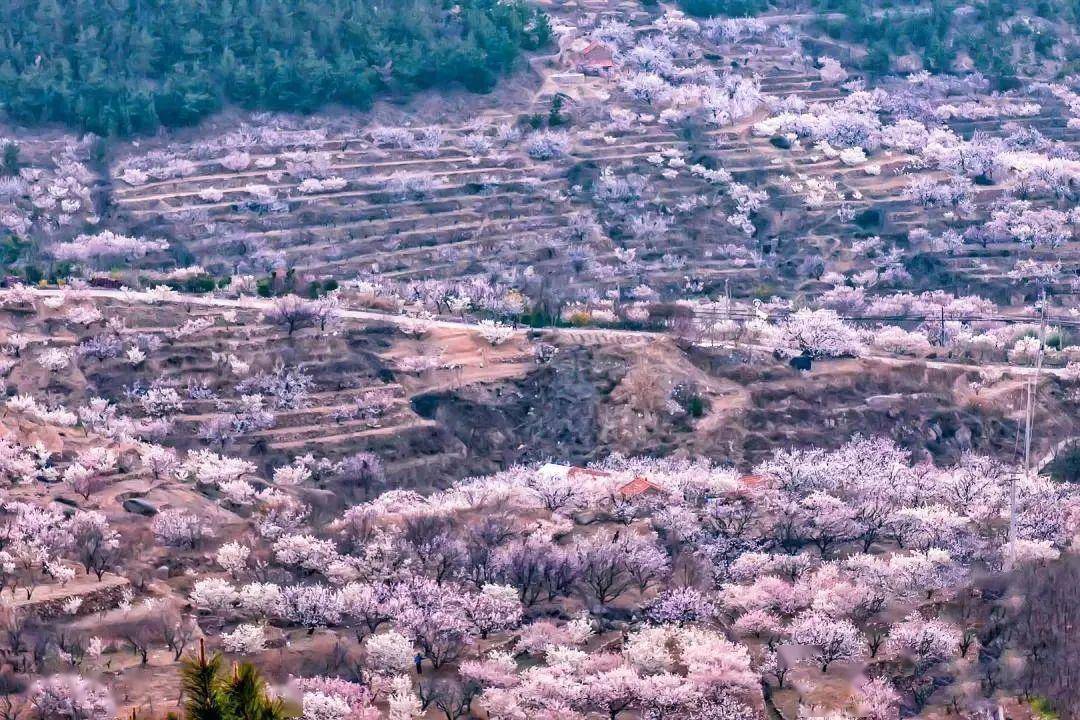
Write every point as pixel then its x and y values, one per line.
pixel 211 694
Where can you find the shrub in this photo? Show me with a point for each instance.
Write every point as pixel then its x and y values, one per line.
pixel 1066 466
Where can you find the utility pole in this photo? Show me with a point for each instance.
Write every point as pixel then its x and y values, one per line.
pixel 1033 388
pixel 1035 384
pixel 727 306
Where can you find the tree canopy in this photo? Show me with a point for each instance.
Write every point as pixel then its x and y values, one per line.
pixel 130 66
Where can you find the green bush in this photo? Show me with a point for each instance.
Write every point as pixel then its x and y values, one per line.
pixel 1042 709
pixel 200 284
pixel 11 249
pixel 1066 466
pixel 728 8
pixel 9 165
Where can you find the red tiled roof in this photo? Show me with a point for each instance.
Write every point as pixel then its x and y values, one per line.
pixel 639 486
pixel 596 53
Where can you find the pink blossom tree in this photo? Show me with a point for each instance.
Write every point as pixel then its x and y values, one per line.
pixel 829 639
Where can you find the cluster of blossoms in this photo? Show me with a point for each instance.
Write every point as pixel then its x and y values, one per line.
pixel 49 202
pixel 944 168
pixel 106 246
pixel 843 557
pixel 851 557
pixel 41 544
pixel 966 326
pixel 650 72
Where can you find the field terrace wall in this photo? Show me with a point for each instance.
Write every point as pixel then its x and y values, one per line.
pixel 448 402
pixel 357 380
pixel 883 209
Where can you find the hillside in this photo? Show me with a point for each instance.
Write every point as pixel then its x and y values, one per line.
pixel 537 360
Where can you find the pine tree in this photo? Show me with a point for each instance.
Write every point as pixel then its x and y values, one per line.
pixel 246 696
pixel 10 163
pixel 201 685
pixel 243 695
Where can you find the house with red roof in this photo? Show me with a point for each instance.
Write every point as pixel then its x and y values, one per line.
pixel 596 58
pixel 590 57
pixel 641 486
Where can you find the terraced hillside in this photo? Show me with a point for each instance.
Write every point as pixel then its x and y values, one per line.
pixel 691 168
pixel 692 160
pixel 433 405
pixel 679 368
pixel 449 202
pixel 336 393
